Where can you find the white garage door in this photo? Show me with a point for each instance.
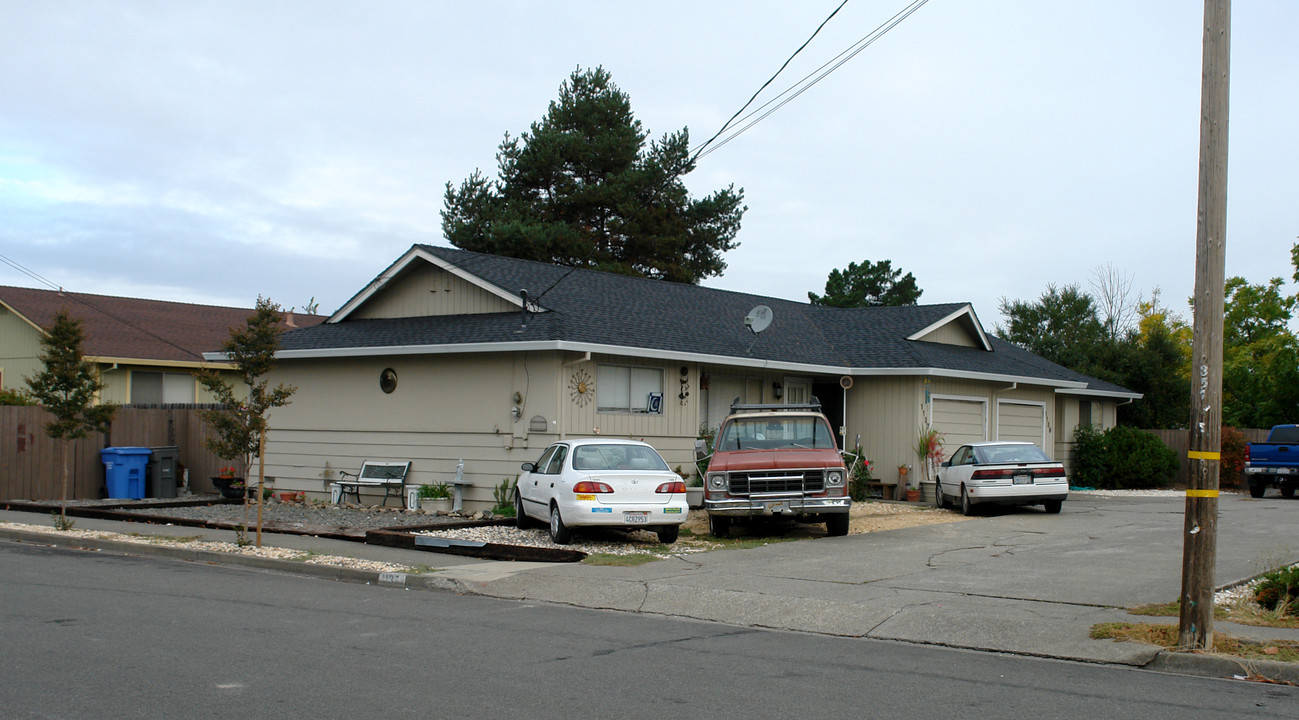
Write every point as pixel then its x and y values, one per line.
pixel 960 422
pixel 1027 423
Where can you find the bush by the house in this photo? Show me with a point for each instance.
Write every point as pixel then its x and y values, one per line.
pixel 15 397
pixel 1121 458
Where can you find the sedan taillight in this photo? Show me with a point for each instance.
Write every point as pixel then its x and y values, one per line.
pixel 1049 472
pixel 990 475
pixel 671 487
pixel 590 487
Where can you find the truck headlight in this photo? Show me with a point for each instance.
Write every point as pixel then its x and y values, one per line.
pixel 834 478
pixel 717 481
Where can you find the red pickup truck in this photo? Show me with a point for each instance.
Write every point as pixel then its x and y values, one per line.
pixel 776 461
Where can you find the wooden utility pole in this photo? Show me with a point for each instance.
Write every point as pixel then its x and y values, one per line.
pixel 1200 543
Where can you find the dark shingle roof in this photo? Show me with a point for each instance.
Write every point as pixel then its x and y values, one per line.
pixel 134 328
pixel 588 307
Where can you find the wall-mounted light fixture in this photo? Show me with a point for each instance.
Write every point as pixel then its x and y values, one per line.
pixel 777 391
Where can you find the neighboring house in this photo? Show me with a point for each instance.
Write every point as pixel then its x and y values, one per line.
pixel 452 355
pixel 144 350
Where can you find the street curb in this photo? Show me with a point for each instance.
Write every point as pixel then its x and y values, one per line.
pixel 410 581
pixel 1222 666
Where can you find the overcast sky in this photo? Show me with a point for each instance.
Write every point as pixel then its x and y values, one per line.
pixel 214 151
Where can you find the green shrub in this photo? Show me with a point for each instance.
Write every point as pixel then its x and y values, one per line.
pixel 1136 459
pixel 1121 458
pixel 1088 463
pixel 1279 590
pixel 15 397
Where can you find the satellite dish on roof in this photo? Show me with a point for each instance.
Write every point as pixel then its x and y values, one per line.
pixel 758 319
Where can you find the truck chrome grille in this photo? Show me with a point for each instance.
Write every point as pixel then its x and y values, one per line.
pixel 777 481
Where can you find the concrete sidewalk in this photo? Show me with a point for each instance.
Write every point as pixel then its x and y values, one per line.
pixel 1016 581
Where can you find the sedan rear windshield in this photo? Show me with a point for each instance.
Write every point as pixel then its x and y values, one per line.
pixel 765 433
pixel 996 454
pixel 617 457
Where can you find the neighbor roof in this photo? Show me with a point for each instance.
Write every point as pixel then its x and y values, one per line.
pixel 122 328
pixel 589 310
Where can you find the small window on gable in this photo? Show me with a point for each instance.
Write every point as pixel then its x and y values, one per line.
pixel 622 388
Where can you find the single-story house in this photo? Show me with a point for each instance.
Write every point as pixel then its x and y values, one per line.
pixel 451 356
pixel 144 351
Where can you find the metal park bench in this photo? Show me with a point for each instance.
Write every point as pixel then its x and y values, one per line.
pixel 389 475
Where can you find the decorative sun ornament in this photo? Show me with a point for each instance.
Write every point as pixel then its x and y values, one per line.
pixel 580 387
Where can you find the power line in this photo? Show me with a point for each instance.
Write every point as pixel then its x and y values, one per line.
pixel 74 296
pixel 771 79
pixel 804 84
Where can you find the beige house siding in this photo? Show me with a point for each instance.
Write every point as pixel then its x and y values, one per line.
pixel 425 290
pixel 953 333
pixel 20 348
pixel 886 412
pixel 452 407
pixel 1104 415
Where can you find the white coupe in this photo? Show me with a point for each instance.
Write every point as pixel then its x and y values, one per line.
pixel 1007 473
pixel 604 482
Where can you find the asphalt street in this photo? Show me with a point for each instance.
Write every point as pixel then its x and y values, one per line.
pixel 1016 581
pixel 105 635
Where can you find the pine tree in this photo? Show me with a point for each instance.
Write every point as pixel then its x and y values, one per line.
pixel 582 189
pixel 68 387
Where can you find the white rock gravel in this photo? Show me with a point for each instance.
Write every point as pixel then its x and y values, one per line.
pixel 190 543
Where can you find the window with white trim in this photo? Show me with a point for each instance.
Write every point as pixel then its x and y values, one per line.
pixel 623 388
pixel 158 388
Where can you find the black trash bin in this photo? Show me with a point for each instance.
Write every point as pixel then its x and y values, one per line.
pixel 162 472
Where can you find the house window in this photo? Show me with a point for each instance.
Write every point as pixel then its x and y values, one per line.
pixel 157 388
pixel 621 388
pixel 1084 412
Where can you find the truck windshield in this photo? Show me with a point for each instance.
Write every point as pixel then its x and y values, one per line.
pixel 1287 435
pixel 765 433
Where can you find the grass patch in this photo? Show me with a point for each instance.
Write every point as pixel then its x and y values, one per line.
pixel 1243 611
pixel 1173 609
pixel 1165 636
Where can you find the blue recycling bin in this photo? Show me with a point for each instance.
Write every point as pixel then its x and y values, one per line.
pixel 124 471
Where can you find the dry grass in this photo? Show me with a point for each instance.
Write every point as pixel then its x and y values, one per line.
pixel 1165 636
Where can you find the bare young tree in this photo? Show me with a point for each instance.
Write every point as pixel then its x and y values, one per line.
pixel 1112 291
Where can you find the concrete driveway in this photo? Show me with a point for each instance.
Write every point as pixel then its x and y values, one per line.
pixel 1015 580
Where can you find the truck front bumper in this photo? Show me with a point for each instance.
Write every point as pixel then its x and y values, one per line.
pixel 778 506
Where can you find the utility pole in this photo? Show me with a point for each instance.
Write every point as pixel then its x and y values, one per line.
pixel 1195 630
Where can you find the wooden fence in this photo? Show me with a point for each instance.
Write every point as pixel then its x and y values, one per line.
pixel 1180 442
pixel 31 463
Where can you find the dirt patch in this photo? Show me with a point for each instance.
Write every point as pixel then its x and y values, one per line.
pixel 866 517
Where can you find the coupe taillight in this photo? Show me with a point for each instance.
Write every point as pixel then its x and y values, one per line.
pixel 592 488
pixel 671 487
pixel 991 475
pixel 1049 472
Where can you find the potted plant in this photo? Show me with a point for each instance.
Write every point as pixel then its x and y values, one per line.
pixel 230 486
pixel 929 448
pixel 435 498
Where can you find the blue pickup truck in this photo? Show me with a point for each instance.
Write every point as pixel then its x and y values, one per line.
pixel 1274 463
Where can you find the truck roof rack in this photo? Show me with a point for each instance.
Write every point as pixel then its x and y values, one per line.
pixel 737 407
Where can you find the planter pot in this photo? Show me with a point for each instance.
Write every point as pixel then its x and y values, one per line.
pixel 232 488
pixel 927 493
pixel 913 495
pixel 435 505
pixel 695 496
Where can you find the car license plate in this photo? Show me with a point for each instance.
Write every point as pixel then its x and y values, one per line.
pixel 776 508
pixel 635 517
pixel 1023 479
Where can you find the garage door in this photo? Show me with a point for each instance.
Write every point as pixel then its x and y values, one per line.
pixel 960 422
pixel 1016 421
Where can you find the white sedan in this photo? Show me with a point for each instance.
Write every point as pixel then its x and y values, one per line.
pixel 1008 473
pixel 601 481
